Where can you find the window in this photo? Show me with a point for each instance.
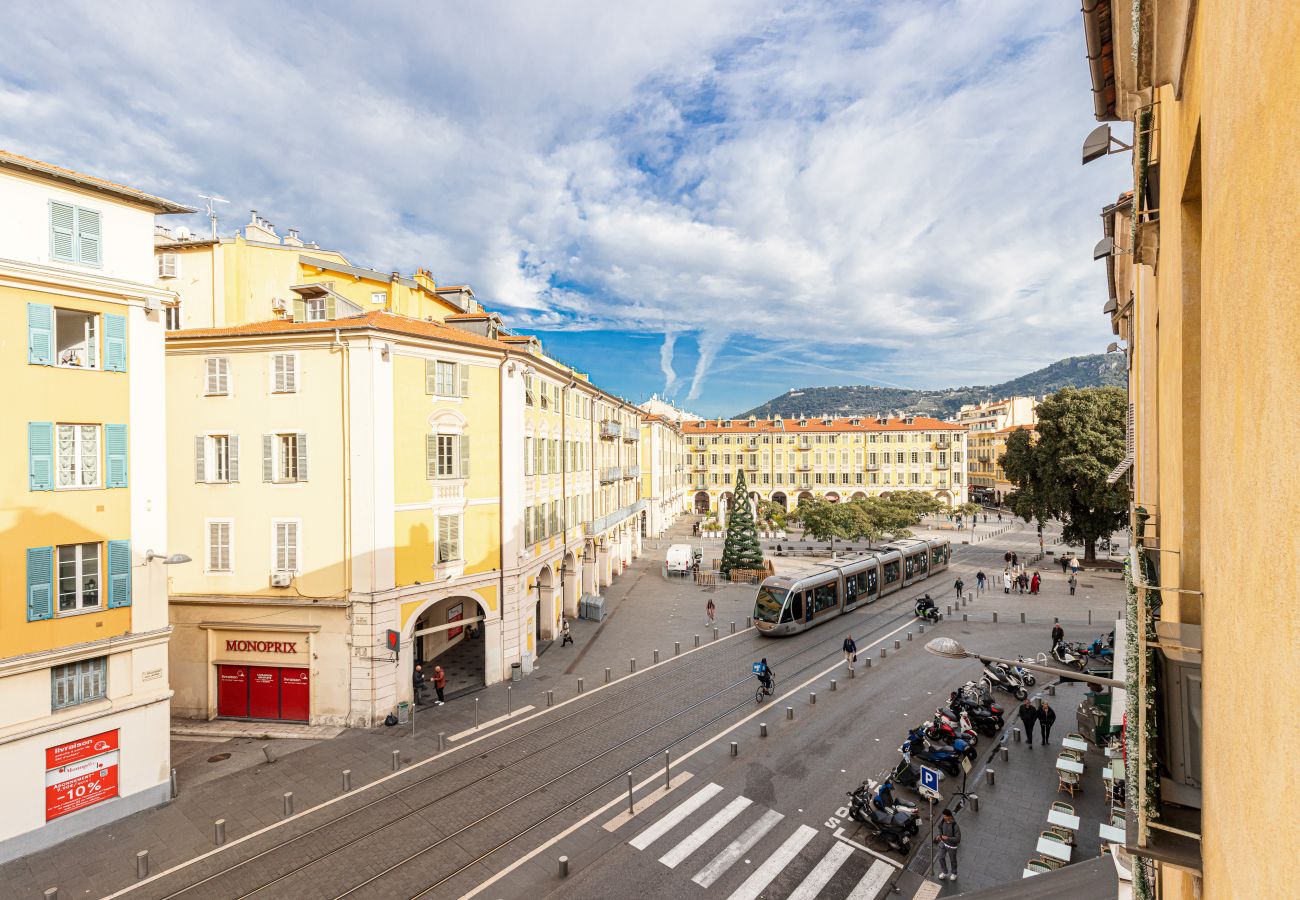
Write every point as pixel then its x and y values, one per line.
pixel 528 456
pixel 378 297
pixel 78 577
pixel 286 533
pixel 284 373
pixel 445 384
pixel 545 395
pixel 446 456
pixel 75 335
pixel 221 546
pixel 172 317
pixel 528 527
pixel 916 457
pixel 74 234
pixel 898 457
pixel 168 265
pixel 284 457
pixel 216 458
pixel 528 390
pixel 78 456
pixel 287 451
pixel 79 682
pixel 314 309
pixel 448 538
pixel 218 377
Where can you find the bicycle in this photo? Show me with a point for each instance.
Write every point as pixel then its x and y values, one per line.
pixel 764 690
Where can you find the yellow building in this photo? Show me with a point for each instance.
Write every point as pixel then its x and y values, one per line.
pixel 665 481
pixel 788 460
pixel 988 482
pixel 83 528
pixel 1203 265
pixel 995 415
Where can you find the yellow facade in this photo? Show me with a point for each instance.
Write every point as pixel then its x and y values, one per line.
pixel 988 481
pixel 1203 293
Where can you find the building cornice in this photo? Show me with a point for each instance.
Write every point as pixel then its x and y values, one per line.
pixel 54 279
pixel 31 662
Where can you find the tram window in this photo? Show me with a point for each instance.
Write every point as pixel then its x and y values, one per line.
pixel 909 566
pixel 872 582
pixel 923 561
pixel 850 588
pixel 796 605
pixel 891 572
pixel 824 597
pixel 767 608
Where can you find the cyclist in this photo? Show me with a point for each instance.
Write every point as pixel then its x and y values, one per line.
pixel 763 672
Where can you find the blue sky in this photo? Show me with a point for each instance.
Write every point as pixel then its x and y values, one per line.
pixel 716 201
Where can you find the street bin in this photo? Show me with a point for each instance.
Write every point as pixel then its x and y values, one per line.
pixel 516 672
pixel 403 713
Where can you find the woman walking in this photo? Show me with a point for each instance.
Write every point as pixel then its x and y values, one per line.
pixel 1035 584
pixel 850 651
pixel 1006 581
pixel 1046 717
pixel 711 611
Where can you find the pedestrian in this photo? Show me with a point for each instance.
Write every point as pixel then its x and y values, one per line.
pixel 999 517
pixel 1028 716
pixel 1058 634
pixel 1024 582
pixel 417 682
pixel 1064 563
pixel 986 518
pixel 1073 582
pixel 1046 718
pixel 439 682
pixel 850 651
pixel 710 610
pixel 1035 584
pixel 979 581
pixel 566 636
pixel 948 838
pixel 1006 581
pixel 1074 565
pixel 959 584
pixel 1006 557
pixel 1015 560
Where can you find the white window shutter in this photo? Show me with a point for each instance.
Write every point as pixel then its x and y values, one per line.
pixel 200 458
pixel 302 456
pixel 232 443
pixel 430 376
pixel 463 470
pixel 431 456
pixel 268 457
pixel 463 371
pixel 291 373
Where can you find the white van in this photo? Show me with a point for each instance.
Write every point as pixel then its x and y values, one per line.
pixel 679 559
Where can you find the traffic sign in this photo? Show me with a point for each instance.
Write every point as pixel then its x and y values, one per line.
pixel 929 782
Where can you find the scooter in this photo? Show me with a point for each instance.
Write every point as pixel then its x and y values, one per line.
pixel 883 799
pixel 1012 675
pixel 1100 648
pixel 999 679
pixel 893 828
pixel 1025 675
pixel 925 609
pixel 982 720
pixel 956 719
pixel 941 730
pixel 948 760
pixel 1069 656
pixel 977 699
pixel 906 773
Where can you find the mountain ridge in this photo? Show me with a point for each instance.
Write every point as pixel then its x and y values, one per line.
pixel 1094 370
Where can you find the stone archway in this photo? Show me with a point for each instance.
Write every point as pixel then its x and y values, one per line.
pixel 434 638
pixel 547 617
pixel 858 495
pixel 701 502
pixel 778 497
pixel 805 495
pixel 570 585
pixel 832 497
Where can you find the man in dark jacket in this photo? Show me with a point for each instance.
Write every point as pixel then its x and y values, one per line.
pixel 959 584
pixel 1058 634
pixel 948 838
pixel 850 651
pixel 1046 716
pixel 417 682
pixel 1028 716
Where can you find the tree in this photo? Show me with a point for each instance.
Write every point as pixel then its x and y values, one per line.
pixel 771 514
pixel 1063 473
pixel 740 550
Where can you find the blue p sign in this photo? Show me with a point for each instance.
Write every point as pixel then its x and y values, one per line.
pixel 930 779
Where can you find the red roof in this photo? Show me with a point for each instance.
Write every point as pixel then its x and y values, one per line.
pixel 378 319
pixel 816 425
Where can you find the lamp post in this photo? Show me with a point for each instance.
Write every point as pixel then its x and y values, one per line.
pixel 174 559
pixel 950 648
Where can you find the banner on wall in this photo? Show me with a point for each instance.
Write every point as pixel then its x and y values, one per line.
pixel 455 614
pixel 80 773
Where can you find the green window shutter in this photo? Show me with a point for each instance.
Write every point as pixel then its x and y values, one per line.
pixel 299 309
pixel 463 470
pixel 88 237
pixel 330 308
pixel 200 458
pixel 302 457
pixel 40 583
pixel 40 456
pixel 119 574
pixel 63 225
pixel 430 456
pixel 268 457
pixel 115 455
pixel 463 371
pixel 232 442
pixel 40 334
pixel 430 376
pixel 115 343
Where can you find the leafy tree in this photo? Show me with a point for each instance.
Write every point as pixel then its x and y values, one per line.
pixel 740 550
pixel 1063 473
pixel 772 514
pixel 918 502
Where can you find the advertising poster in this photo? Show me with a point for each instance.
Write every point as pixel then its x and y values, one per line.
pixel 80 773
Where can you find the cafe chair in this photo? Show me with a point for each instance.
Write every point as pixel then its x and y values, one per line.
pixel 1067 781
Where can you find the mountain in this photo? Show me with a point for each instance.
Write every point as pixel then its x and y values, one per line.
pixel 1097 370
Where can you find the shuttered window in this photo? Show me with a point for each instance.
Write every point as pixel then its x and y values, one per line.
pixel 79 577
pixel 284 457
pixel 75 234
pixel 217 380
pixel 79 682
pixel 220 539
pixel 216 458
pixel 77 448
pixel 448 538
pixel 284 373
pixel 286 545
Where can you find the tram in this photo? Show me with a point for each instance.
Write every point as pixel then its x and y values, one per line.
pixel 788 604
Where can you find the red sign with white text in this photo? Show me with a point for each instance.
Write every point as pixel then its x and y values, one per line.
pixel 80 773
pixel 84 748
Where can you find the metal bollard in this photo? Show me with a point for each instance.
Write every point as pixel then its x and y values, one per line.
pixel 564 867
pixel 631 665
pixel 1089 617
pixel 219 831
pixel 867 661
pixel 921 629
pixel 948 610
pixel 52 893
pixel 853 672
pixel 347 773
pixel 735 749
pixel 288 804
pixel 476 713
pixel 1022 618
pixel 550 698
pixel 789 712
pixel 607 675
pixel 974 802
pixel 898 645
pixel 834 686
pixel 175 790
pixel 1015 732
pixel 579 685
pixel 990 776
pixel 1051 689
pixel 697 640
pixel 656 657
pixel 677 647
pixel 397 760
pixel 631 804
pixel 668 769
pixel 510 706
pixel 812 698
pixel 995 618
pixel 909 635
pixel 970 598
pixel 762 729
pixel 733 627
pixel 268 753
pixel 1006 753
pixel 749 621
pixel 883 653
pixel 142 864
pixel 715 634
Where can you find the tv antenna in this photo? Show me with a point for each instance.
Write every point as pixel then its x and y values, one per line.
pixel 212 210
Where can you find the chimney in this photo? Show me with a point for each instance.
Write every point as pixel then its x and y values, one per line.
pixel 424 278
pixel 292 239
pixel 259 229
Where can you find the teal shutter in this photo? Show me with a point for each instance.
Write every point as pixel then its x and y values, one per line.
pixel 40 583
pixel 119 574
pixel 40 334
pixel 63 224
pixel 115 444
pixel 40 456
pixel 88 237
pixel 115 343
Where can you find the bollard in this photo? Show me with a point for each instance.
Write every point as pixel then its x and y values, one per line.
pixel 442 739
pixel 509 699
pixel 948 610
pixel 288 804
pixel 789 712
pixel 970 598
pixel 397 760
pixel 921 629
pixel 219 831
pixel 909 635
pixel 812 698
pixel 733 627
pixel 853 673
pixel 883 653
pixel 268 753
pixel 834 686
pixel 995 618
pixel 1006 753
pixel 476 713
pixel 867 661
pixel 1089 617
pixel 677 647
pixel 989 776
pixel 579 685
pixel 749 621
pixel 631 665
pixel 898 645
pixel 762 729
pixel 974 802
pixel 965 617
pixel 347 773
pixel 735 749
pixel 1051 689
pixel 697 640
pixel 656 657
pixel 564 867
pixel 668 769
pixel 607 675
pixel 175 790
pixel 631 804
pixel 142 864
pixel 1022 618
pixel 550 698
pixel 1015 732
pixel 52 893
pixel 715 634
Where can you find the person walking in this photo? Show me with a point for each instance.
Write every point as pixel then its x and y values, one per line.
pixel 959 584
pixel 1074 565
pixel 566 636
pixel 1046 718
pixel 1015 560
pixel 1006 558
pixel 711 611
pixel 1028 717
pixel 999 517
pixel 979 581
pixel 948 839
pixel 417 683
pixel 1006 581
pixel 1073 582
pixel 1035 584
pixel 1064 563
pixel 1058 634
pixel 850 651
pixel 439 683
pixel 1024 582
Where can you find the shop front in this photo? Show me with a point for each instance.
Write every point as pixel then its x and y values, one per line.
pixel 263 675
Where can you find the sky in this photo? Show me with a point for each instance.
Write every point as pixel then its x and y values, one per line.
pixel 711 201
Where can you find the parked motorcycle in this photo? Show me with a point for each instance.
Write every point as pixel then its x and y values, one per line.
pixel 1025 675
pixel 925 609
pixel 884 799
pixel 959 722
pixel 941 730
pixel 1067 655
pixel 895 829
pixel 926 751
pixel 1000 679
pixel 906 772
pixel 1101 648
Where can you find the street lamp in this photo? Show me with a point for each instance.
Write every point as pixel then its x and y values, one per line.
pixel 951 648
pixel 173 560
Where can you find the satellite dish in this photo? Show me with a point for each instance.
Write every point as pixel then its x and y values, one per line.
pixel 183 233
pixel 1105 247
pixel 1097 144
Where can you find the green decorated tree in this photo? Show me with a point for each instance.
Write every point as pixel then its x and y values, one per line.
pixel 741 549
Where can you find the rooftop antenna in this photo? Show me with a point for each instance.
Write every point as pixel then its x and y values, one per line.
pixel 212 211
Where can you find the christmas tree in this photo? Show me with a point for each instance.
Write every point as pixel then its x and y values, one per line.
pixel 741 549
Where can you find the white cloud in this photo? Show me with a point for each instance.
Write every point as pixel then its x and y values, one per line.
pixel 900 178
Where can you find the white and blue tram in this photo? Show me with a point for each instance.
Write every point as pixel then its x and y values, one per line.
pixel 791 603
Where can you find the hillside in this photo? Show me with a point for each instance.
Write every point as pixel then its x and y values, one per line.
pixel 1097 370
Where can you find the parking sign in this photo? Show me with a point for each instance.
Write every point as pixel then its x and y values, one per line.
pixel 929 781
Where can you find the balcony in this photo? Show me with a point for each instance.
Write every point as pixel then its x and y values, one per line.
pixel 632 435
pixel 700 467
pixel 596 526
pixel 805 445
pixel 873 467
pixel 632 472
pixel 943 445
pixel 610 474
pixel 610 430
pixel 803 467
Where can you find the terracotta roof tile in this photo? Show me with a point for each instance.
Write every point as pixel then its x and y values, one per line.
pixel 377 319
pixel 792 426
pixel 15 160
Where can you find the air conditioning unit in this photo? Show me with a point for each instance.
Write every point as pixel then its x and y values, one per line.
pixel 150 304
pixel 278 304
pixel 281 579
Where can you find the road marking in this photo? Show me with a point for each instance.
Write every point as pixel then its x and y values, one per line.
pixel 680 812
pixel 810 887
pixel 468 731
pixel 695 840
pixel 872 882
pixel 927 891
pixel 703 745
pixel 839 833
pixel 719 865
pixel 647 801
pixel 773 865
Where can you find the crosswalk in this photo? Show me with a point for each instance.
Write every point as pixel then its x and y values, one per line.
pixel 708 829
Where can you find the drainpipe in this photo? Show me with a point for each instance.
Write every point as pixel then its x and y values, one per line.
pixel 501 500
